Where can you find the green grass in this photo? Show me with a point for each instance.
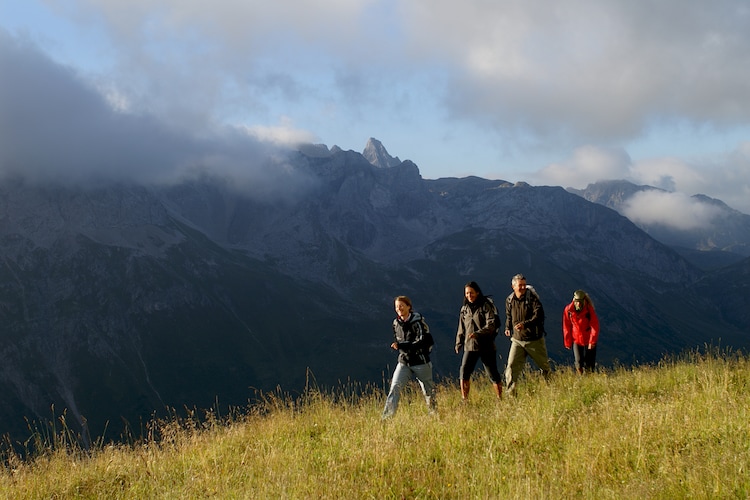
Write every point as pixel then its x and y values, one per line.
pixel 679 429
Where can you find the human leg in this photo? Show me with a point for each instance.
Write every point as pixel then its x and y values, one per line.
pixel 578 354
pixel 537 349
pixel 468 363
pixel 424 376
pixel 401 375
pixel 589 359
pixel 516 361
pixel 465 386
pixel 489 360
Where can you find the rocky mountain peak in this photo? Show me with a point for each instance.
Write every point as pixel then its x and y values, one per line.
pixel 376 154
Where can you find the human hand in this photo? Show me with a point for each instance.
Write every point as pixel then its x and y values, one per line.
pixel 394 346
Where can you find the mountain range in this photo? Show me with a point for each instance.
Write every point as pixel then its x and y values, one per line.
pixel 121 302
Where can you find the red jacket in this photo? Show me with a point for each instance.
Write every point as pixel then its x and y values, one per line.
pixel 581 327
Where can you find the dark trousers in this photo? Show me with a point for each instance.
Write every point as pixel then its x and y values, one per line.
pixel 489 360
pixel 585 358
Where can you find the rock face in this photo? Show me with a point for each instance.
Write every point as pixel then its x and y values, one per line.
pixel 121 301
pixel 376 154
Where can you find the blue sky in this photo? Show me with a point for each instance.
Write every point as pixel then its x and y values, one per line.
pixel 560 93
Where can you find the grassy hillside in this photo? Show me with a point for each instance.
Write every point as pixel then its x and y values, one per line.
pixel 674 430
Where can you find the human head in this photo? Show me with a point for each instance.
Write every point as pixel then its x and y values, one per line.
pixel 518 283
pixel 402 305
pixel 580 298
pixel 472 293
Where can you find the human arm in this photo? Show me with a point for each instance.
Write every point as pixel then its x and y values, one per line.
pixel 567 327
pixel 396 330
pixel 508 318
pixel 460 332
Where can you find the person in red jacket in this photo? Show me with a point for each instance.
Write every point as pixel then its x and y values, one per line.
pixel 581 331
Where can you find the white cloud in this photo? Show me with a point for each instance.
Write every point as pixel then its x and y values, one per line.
pixel 284 134
pixel 588 164
pixel 591 70
pixel 675 210
pixel 668 173
pixel 725 176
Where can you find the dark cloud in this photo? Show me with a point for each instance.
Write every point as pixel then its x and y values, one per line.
pixel 54 127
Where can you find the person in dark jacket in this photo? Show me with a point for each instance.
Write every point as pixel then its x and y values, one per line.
pixel 413 341
pixel 580 326
pixel 524 324
pixel 477 327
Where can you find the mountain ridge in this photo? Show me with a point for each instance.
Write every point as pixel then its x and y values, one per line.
pixel 120 300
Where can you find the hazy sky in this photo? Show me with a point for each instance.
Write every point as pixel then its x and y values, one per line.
pixel 561 93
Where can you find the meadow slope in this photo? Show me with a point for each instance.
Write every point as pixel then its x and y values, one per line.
pixel 677 429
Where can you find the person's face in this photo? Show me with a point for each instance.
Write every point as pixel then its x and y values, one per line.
pixel 519 288
pixel 470 294
pixel 578 304
pixel 402 309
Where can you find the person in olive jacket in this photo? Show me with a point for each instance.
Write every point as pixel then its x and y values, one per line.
pixel 524 324
pixel 580 326
pixel 413 341
pixel 478 325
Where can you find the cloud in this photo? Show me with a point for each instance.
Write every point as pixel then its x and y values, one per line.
pixel 195 62
pixel 56 128
pixel 285 134
pixel 589 164
pixel 725 177
pixel 675 210
pixel 591 71
pixel 470 86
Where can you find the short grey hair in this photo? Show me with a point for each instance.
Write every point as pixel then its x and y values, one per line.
pixel 518 277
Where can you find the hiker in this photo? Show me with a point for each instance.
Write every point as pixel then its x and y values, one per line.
pixel 580 326
pixel 413 341
pixel 524 324
pixel 478 325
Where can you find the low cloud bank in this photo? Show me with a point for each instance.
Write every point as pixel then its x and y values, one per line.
pixel 673 210
pixel 56 128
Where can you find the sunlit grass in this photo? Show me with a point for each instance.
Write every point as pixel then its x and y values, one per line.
pixel 675 430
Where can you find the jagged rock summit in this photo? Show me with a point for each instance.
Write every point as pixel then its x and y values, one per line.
pixel 376 154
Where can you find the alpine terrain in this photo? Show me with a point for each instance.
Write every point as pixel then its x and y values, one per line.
pixel 123 301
